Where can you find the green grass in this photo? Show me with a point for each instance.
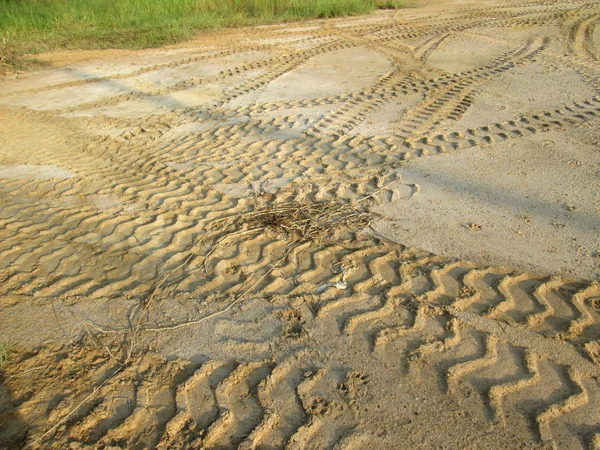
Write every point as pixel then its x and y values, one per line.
pixel 31 26
pixel 5 351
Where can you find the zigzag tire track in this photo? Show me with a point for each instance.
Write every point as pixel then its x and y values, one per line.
pixel 414 332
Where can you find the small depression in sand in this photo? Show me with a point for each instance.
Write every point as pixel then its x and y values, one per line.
pixel 329 74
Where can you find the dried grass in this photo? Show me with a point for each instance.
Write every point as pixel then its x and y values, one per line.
pixel 297 221
pixel 8 58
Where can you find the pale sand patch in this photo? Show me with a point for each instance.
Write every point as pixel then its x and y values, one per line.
pixel 386 119
pixel 313 112
pixel 200 69
pixel 537 201
pixel 68 96
pixel 462 53
pixel 312 43
pixel 99 201
pixel 522 90
pixel 148 81
pixel 30 171
pixel 328 74
pixel 208 94
pixel 514 36
pixel 96 68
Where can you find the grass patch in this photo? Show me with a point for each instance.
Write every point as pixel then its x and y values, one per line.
pixel 6 350
pixel 32 26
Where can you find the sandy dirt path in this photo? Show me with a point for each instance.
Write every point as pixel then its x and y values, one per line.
pixel 374 232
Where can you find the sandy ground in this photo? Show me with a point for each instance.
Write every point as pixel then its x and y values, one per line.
pixel 373 232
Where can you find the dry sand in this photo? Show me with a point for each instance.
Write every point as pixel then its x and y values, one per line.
pixel 374 232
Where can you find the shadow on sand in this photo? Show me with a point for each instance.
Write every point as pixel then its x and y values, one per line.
pixel 12 429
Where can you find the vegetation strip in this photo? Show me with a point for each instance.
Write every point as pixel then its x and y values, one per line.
pixel 34 26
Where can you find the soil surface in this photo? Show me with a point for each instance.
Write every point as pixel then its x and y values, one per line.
pixel 373 232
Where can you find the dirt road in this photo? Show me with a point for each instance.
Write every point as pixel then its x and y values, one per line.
pixel 374 232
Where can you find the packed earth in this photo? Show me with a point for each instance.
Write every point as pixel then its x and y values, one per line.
pixel 375 232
